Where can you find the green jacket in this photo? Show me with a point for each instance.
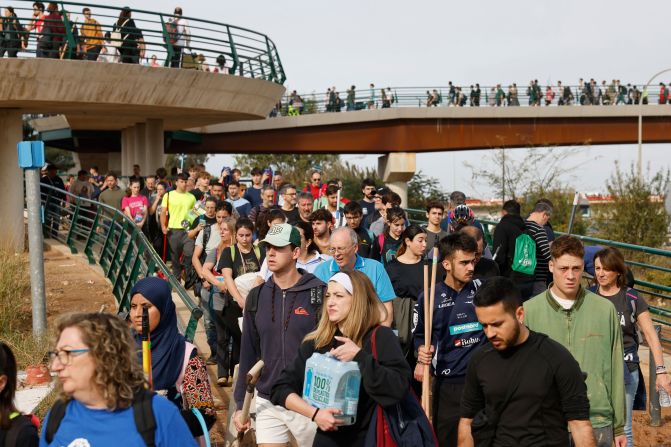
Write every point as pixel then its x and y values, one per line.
pixel 590 330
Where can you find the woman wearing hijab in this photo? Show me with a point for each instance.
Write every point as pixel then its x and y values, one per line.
pixel 177 371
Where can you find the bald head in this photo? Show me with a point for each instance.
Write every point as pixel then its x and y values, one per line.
pixel 476 234
pixel 344 246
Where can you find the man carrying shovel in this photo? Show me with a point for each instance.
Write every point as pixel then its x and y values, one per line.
pixel 455 333
pixel 278 314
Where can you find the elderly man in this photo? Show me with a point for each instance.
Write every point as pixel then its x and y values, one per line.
pixel 344 248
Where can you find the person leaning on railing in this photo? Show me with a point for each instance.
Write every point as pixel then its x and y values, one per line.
pixel 92 35
pixel 11 33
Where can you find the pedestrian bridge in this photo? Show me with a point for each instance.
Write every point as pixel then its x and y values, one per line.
pixel 408 129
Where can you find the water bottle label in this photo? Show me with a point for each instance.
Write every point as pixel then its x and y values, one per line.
pixel 321 389
pixel 350 406
pixel 308 383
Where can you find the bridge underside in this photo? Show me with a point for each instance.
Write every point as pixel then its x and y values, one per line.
pixel 431 135
pixel 399 135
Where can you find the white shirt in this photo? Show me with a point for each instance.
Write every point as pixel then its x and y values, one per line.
pixel 563 302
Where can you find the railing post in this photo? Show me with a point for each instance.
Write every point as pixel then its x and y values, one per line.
pixel 653 395
pixel 234 52
pixel 89 240
pixel 273 72
pixel 170 52
pixel 69 37
pixel 73 223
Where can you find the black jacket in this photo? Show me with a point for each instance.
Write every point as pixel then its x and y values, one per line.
pixel 383 381
pixel 280 329
pixel 505 233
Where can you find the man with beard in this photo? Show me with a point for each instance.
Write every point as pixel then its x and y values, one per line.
pixel 532 383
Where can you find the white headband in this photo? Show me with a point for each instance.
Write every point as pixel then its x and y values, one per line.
pixel 344 280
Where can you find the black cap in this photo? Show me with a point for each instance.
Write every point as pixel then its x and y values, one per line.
pixel 51 167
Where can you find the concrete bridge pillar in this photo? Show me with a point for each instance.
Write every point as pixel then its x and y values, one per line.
pixel 127 143
pixel 396 170
pixel 154 147
pixel 137 154
pixel 142 144
pixel 11 182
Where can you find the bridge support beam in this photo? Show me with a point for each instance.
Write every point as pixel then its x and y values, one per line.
pixel 142 144
pixel 11 182
pixel 396 170
pixel 154 147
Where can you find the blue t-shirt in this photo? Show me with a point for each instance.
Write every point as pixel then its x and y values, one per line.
pixel 253 196
pixel 242 206
pixel 86 427
pixel 373 269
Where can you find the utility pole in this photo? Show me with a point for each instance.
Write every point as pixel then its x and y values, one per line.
pixel 31 160
pixel 503 175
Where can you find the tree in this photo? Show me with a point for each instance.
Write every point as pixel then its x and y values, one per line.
pixel 540 170
pixel 175 160
pixel 295 168
pixel 423 189
pixel 637 215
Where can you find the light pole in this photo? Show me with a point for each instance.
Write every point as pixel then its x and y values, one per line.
pixel 639 163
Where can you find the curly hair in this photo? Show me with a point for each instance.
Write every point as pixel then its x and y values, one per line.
pixel 118 374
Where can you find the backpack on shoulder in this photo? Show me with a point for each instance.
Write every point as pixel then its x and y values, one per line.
pixel 18 423
pixel 524 259
pixel 143 413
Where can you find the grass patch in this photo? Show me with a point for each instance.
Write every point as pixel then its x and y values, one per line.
pixel 15 310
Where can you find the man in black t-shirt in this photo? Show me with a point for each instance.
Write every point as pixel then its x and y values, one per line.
pixel 532 386
pixel 354 217
pixel 367 203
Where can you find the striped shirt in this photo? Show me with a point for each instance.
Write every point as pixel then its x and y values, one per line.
pixel 542 248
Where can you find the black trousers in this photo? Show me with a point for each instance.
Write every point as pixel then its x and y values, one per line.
pixel 446 403
pixel 230 315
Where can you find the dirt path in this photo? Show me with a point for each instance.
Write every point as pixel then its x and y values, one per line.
pixel 72 285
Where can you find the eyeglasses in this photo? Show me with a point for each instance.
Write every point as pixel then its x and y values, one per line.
pixel 340 250
pixel 65 355
pixel 316 179
pixel 289 193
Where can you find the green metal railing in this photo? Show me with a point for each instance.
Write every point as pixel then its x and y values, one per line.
pixel 467 96
pixel 658 291
pixel 111 240
pixel 246 52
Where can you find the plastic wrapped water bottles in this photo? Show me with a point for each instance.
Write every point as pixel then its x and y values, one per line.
pixel 330 383
pixel 664 398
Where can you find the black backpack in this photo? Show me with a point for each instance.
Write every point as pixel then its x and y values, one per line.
pixel 17 425
pixel 143 414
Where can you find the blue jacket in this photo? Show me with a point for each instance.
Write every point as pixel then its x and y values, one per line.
pixel 455 332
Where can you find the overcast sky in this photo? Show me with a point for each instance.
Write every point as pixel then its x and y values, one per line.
pixel 428 43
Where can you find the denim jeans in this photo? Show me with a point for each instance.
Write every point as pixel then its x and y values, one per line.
pixel 630 387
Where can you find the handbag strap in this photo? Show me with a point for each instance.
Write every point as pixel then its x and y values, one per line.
pixel 373 344
pixel 516 383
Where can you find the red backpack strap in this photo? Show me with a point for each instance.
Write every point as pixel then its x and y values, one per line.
pixel 373 344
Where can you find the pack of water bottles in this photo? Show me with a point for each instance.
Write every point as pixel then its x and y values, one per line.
pixel 330 383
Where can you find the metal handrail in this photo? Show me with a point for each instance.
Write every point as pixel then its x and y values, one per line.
pixel 407 96
pixel 112 240
pixel 646 287
pixel 248 53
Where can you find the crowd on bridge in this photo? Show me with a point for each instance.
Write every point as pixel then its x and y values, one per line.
pixel 585 93
pixel 124 43
pixel 519 348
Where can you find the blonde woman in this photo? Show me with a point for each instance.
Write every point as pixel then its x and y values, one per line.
pixel 350 313
pixel 99 376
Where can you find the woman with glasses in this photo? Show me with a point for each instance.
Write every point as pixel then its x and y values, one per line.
pixel 177 371
pixel 15 428
pixel 98 378
pixel 351 314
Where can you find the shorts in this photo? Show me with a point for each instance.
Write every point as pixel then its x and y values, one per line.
pixel 273 424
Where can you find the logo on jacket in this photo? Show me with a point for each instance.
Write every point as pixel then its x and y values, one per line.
pixel 446 301
pixel 301 311
pixel 466 342
pixel 466 327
